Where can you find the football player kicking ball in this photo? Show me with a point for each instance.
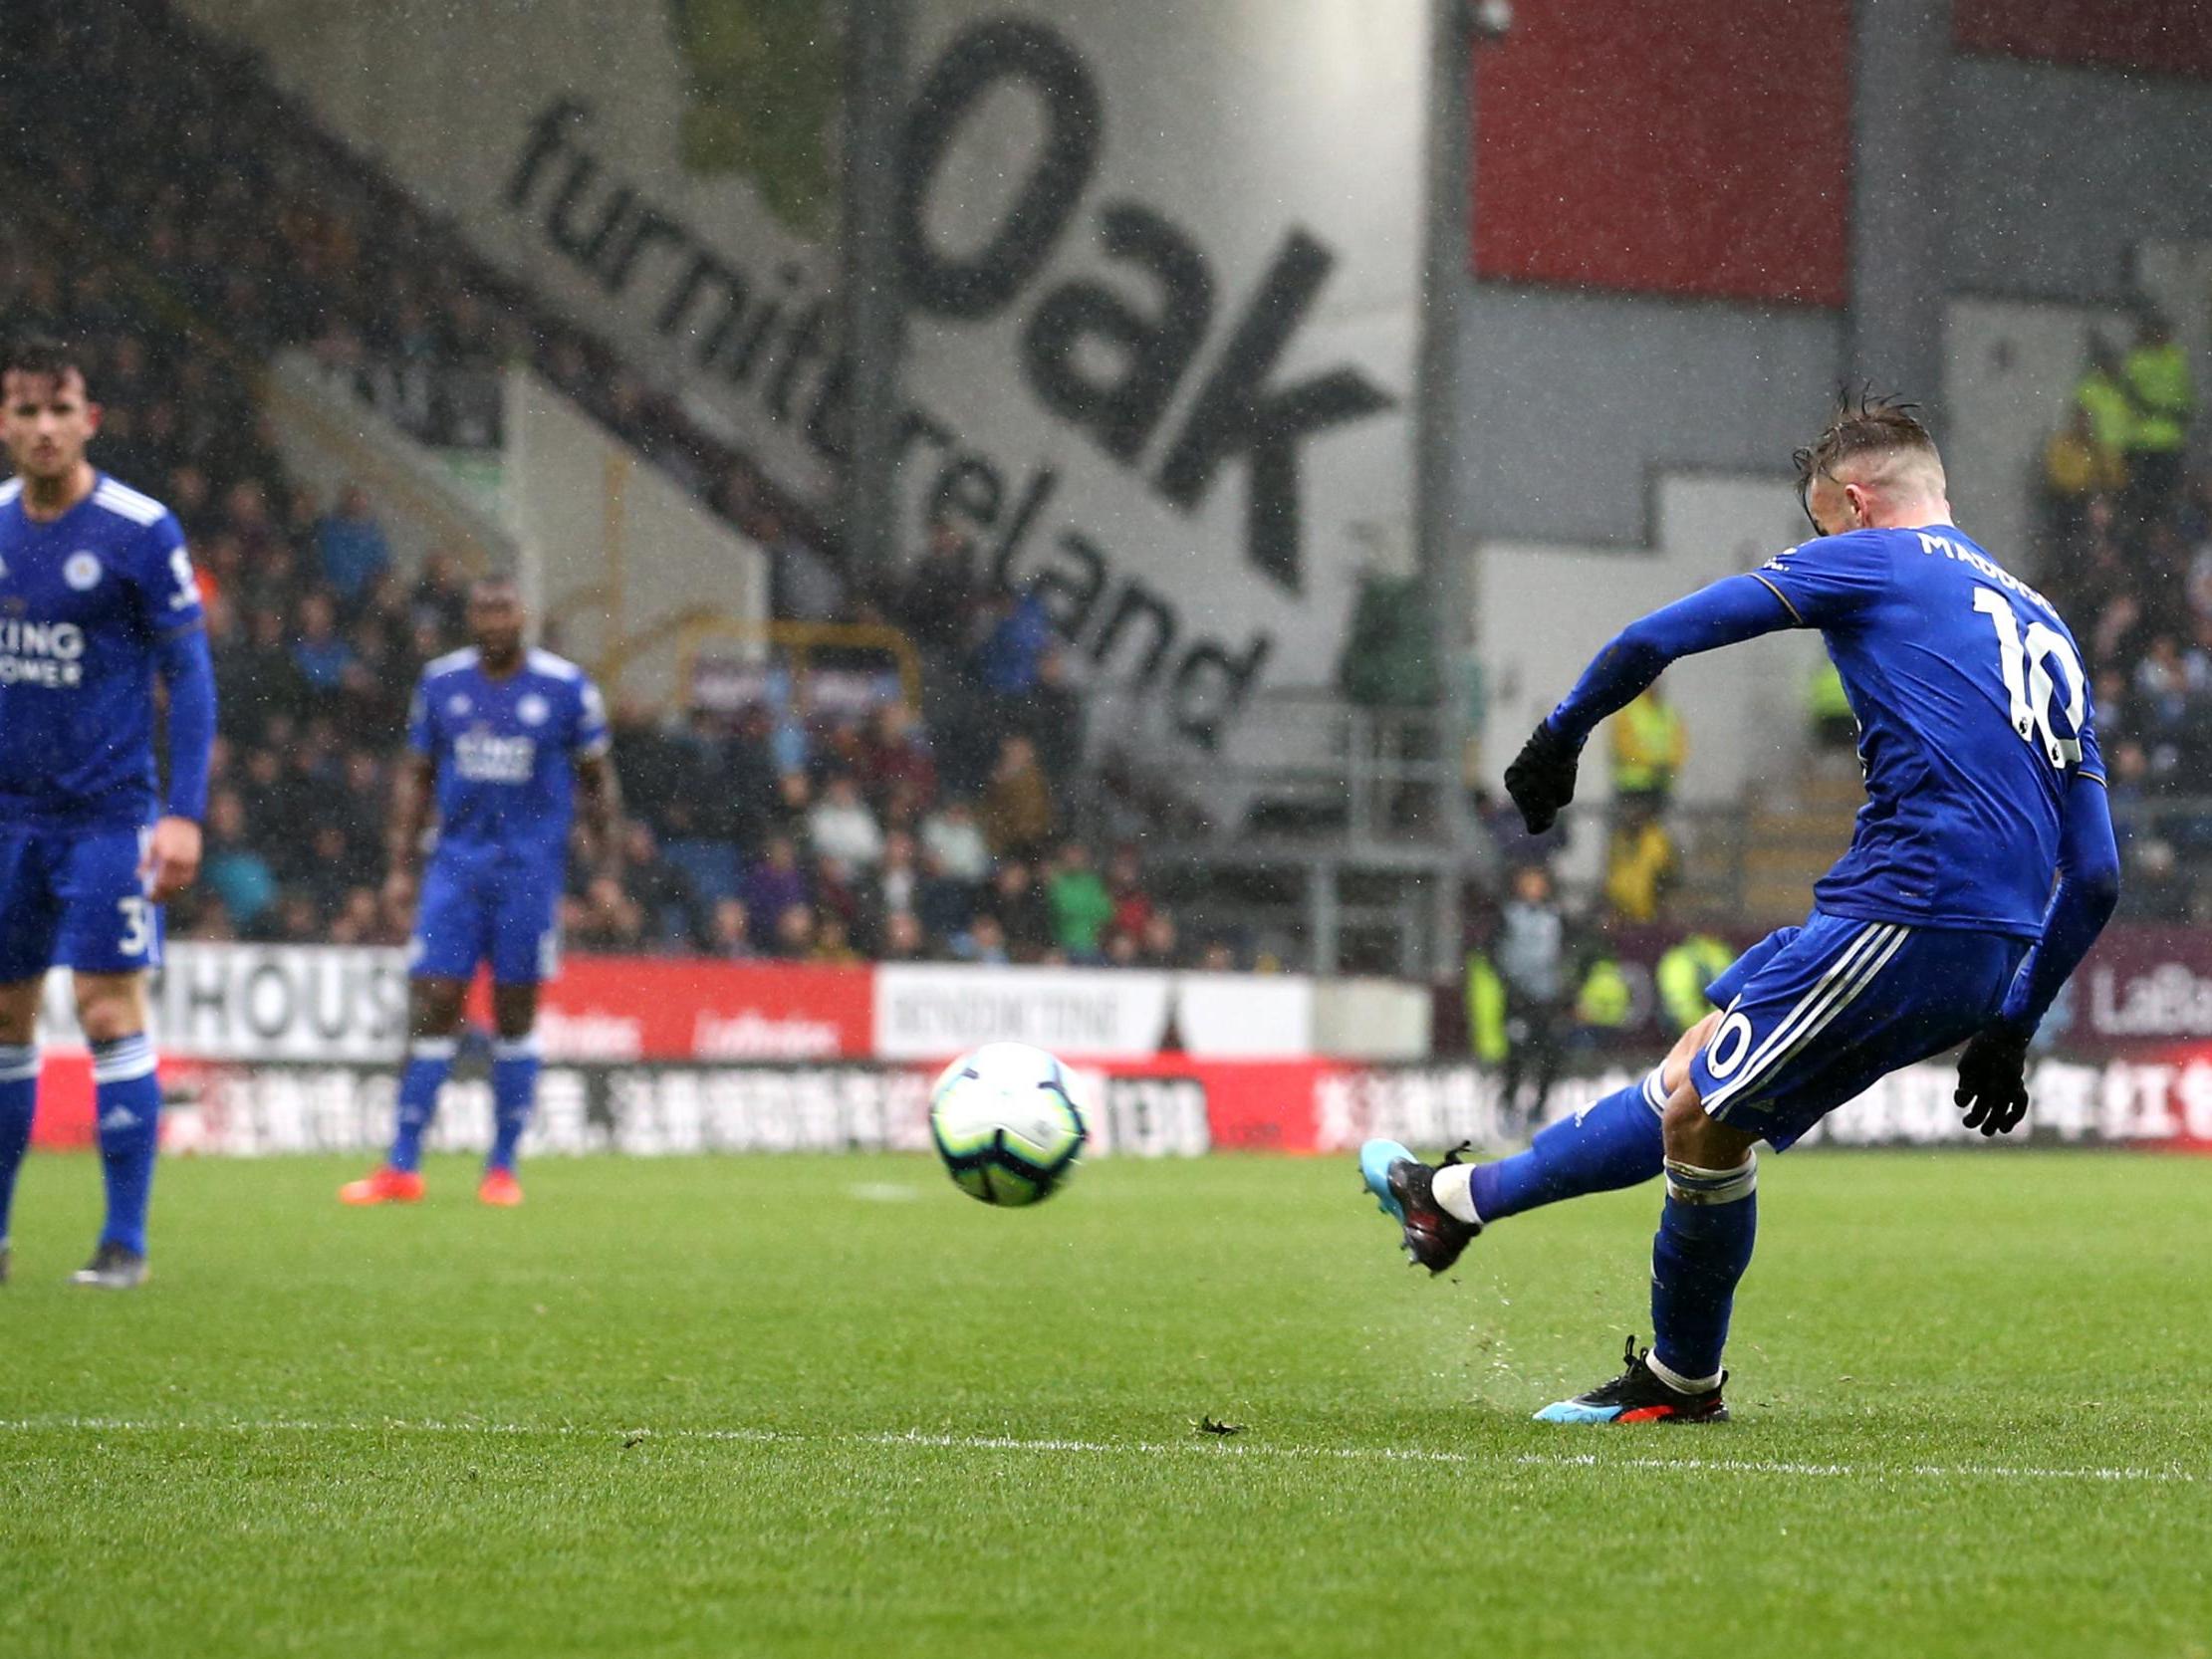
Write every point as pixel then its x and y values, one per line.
pixel 97 601
pixel 506 737
pixel 1981 869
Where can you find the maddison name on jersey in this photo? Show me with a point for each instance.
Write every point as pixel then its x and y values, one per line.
pixel 1932 544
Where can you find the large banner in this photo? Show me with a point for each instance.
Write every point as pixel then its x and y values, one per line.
pixel 2140 986
pixel 1147 1109
pixel 2165 1103
pixel 925 1012
pixel 1172 1106
pixel 320 1003
pixel 272 1049
pixel 264 1003
pixel 1161 264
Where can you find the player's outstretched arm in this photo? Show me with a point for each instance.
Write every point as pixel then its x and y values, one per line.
pixel 602 798
pixel 1993 1089
pixel 411 786
pixel 188 673
pixel 1540 779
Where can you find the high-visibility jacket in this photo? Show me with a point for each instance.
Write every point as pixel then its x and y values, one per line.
pixel 1605 1000
pixel 2112 409
pixel 2158 379
pixel 2074 466
pixel 1824 695
pixel 1684 972
pixel 1639 862
pixel 1648 745
pixel 1486 1011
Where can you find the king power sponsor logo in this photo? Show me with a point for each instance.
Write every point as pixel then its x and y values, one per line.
pixel 489 758
pixel 49 654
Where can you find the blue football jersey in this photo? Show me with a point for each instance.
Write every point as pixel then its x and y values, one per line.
pixel 1974 717
pixel 503 749
pixel 83 601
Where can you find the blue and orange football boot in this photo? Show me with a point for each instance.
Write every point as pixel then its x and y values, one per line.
pixel 1638 1396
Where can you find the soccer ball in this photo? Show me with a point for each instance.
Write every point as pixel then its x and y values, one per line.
pixel 1006 1124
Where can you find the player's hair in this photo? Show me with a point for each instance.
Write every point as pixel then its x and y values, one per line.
pixel 41 355
pixel 1863 423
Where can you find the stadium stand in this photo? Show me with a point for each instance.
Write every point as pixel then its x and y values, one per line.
pixel 774 830
pixel 182 158
pixel 844 819
pixel 2131 567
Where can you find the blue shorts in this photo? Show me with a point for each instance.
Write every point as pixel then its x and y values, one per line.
pixel 73 898
pixel 495 911
pixel 1814 1014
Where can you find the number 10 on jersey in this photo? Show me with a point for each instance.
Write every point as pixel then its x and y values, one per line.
pixel 2025 661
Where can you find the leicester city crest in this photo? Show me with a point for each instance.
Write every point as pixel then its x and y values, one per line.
pixel 82 570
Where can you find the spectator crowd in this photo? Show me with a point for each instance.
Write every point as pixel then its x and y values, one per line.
pixel 186 225
pixel 178 155
pixel 2126 557
pixel 780 830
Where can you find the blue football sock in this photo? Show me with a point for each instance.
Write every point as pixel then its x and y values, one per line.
pixel 1704 1244
pixel 19 1099
pixel 127 1102
pixel 429 1058
pixel 514 1092
pixel 1615 1143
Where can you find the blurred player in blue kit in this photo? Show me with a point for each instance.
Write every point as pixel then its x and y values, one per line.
pixel 1980 870
pixel 503 739
pixel 98 602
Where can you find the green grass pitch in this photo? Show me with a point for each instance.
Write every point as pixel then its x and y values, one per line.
pixel 831 1407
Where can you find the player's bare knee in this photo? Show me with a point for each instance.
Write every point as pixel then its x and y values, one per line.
pixel 1693 1137
pixel 1684 1111
pixel 111 1005
pixel 514 1011
pixel 1674 1071
pixel 19 1012
pixel 434 1008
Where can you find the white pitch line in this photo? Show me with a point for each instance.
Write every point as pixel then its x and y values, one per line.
pixel 1128 1448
